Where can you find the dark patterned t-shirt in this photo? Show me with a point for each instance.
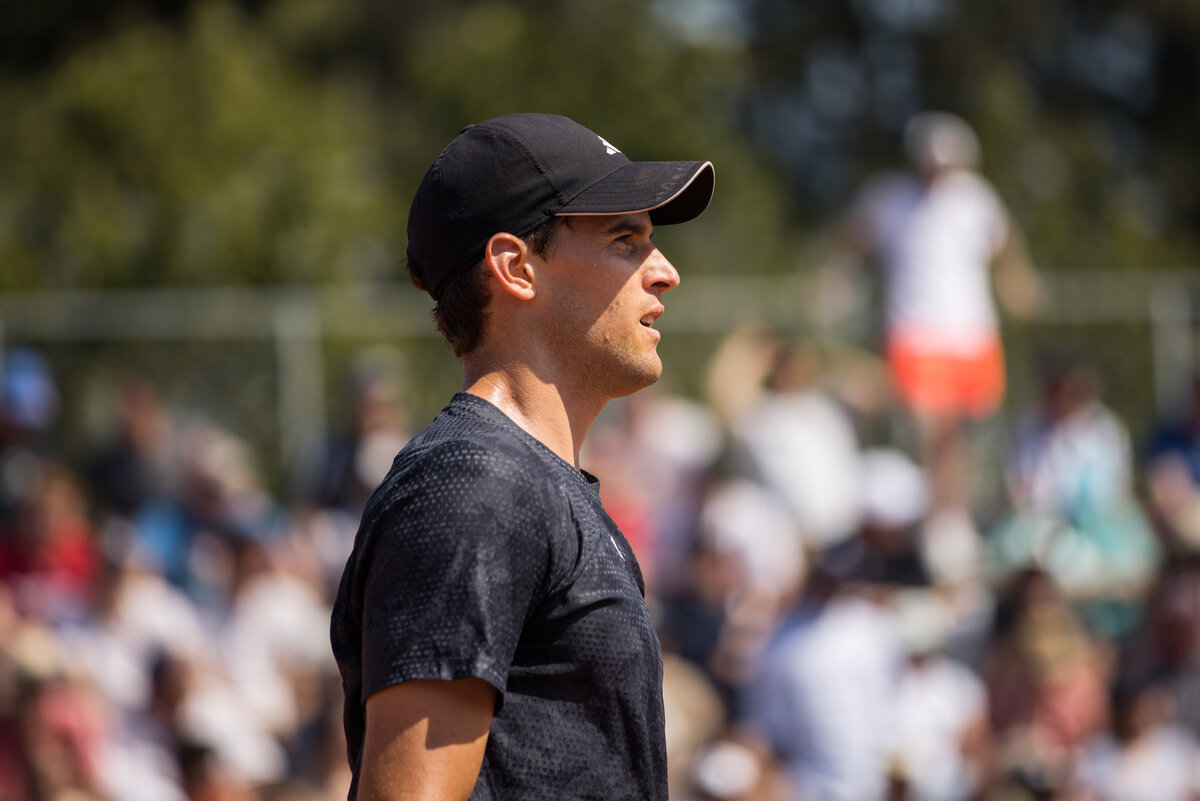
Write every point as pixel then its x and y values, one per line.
pixel 484 554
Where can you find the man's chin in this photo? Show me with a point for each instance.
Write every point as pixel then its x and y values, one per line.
pixel 629 375
pixel 646 378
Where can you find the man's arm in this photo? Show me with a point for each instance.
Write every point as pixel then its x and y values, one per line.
pixel 1018 287
pixel 425 740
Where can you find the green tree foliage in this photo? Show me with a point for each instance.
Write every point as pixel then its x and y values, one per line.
pixel 182 155
pixel 279 140
pixel 191 142
pixel 282 145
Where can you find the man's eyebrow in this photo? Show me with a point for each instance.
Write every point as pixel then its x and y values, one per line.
pixel 629 224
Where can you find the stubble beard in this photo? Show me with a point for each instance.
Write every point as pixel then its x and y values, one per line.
pixel 608 369
pixel 626 371
pixel 604 357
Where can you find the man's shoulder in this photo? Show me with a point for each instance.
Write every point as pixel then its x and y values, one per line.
pixel 968 186
pixel 469 434
pixel 468 485
pixel 469 453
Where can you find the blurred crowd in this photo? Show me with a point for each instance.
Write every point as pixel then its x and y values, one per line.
pixel 164 616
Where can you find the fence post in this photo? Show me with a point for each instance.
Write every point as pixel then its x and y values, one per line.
pixel 1173 343
pixel 301 368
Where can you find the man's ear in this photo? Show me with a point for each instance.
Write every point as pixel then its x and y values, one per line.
pixel 507 257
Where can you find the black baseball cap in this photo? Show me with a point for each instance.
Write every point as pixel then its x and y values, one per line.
pixel 515 172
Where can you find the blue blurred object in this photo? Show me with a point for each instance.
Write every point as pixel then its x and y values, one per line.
pixel 30 397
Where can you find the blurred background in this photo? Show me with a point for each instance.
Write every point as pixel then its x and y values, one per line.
pixel 210 351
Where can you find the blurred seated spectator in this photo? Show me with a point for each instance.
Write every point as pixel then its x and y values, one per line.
pixel 653 453
pixel 941 739
pixel 825 698
pixel 746 570
pixel 895 499
pixel 797 439
pixel 692 619
pixel 52 731
pixel 1047 680
pixel 358 456
pixel 28 409
pixel 274 643
pixel 137 619
pixel 1166 645
pixel 220 498
pixel 49 550
pixel 137 461
pixel 1172 470
pixel 695 714
pixel 140 761
pixel 730 769
pixel 1144 756
pixel 1074 512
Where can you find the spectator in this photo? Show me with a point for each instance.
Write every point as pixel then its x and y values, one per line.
pixel 937 231
pixel 137 462
pixel 728 769
pixel 1144 756
pixel 273 645
pixel 895 497
pixel 824 701
pixel 1166 645
pixel 50 554
pixel 797 440
pixel 220 499
pixel 51 729
pixel 1074 512
pixel 941 739
pixel 746 570
pixel 356 458
pixel 28 409
pixel 134 649
pixel 1173 475
pixel 1047 680
pixel 656 450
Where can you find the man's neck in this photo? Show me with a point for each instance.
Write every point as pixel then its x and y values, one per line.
pixel 544 410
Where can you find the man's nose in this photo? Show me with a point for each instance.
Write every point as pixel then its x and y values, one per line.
pixel 660 273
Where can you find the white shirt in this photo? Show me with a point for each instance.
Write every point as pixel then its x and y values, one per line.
pixel 803 446
pixel 826 700
pixel 936 244
pixel 1082 461
pixel 937 701
pixel 1164 765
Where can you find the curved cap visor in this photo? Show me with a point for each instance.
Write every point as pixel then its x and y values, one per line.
pixel 512 173
pixel 671 191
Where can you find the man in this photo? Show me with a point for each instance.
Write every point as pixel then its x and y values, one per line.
pixel 490 626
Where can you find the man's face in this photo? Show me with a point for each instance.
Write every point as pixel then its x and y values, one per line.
pixel 603 282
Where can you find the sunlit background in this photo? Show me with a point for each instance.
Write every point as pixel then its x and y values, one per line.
pixel 202 232
pixel 273 146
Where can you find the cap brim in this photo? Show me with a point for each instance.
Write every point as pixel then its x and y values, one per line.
pixel 671 191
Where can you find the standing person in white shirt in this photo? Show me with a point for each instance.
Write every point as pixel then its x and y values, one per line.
pixel 940 235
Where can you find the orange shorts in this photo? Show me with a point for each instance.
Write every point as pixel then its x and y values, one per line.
pixel 929 382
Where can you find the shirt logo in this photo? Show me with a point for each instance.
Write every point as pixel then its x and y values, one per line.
pixel 616 547
pixel 612 151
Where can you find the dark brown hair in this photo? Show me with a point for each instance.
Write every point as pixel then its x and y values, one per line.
pixel 461 309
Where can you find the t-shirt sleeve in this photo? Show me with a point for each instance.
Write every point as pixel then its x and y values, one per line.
pixel 990 209
pixel 458 556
